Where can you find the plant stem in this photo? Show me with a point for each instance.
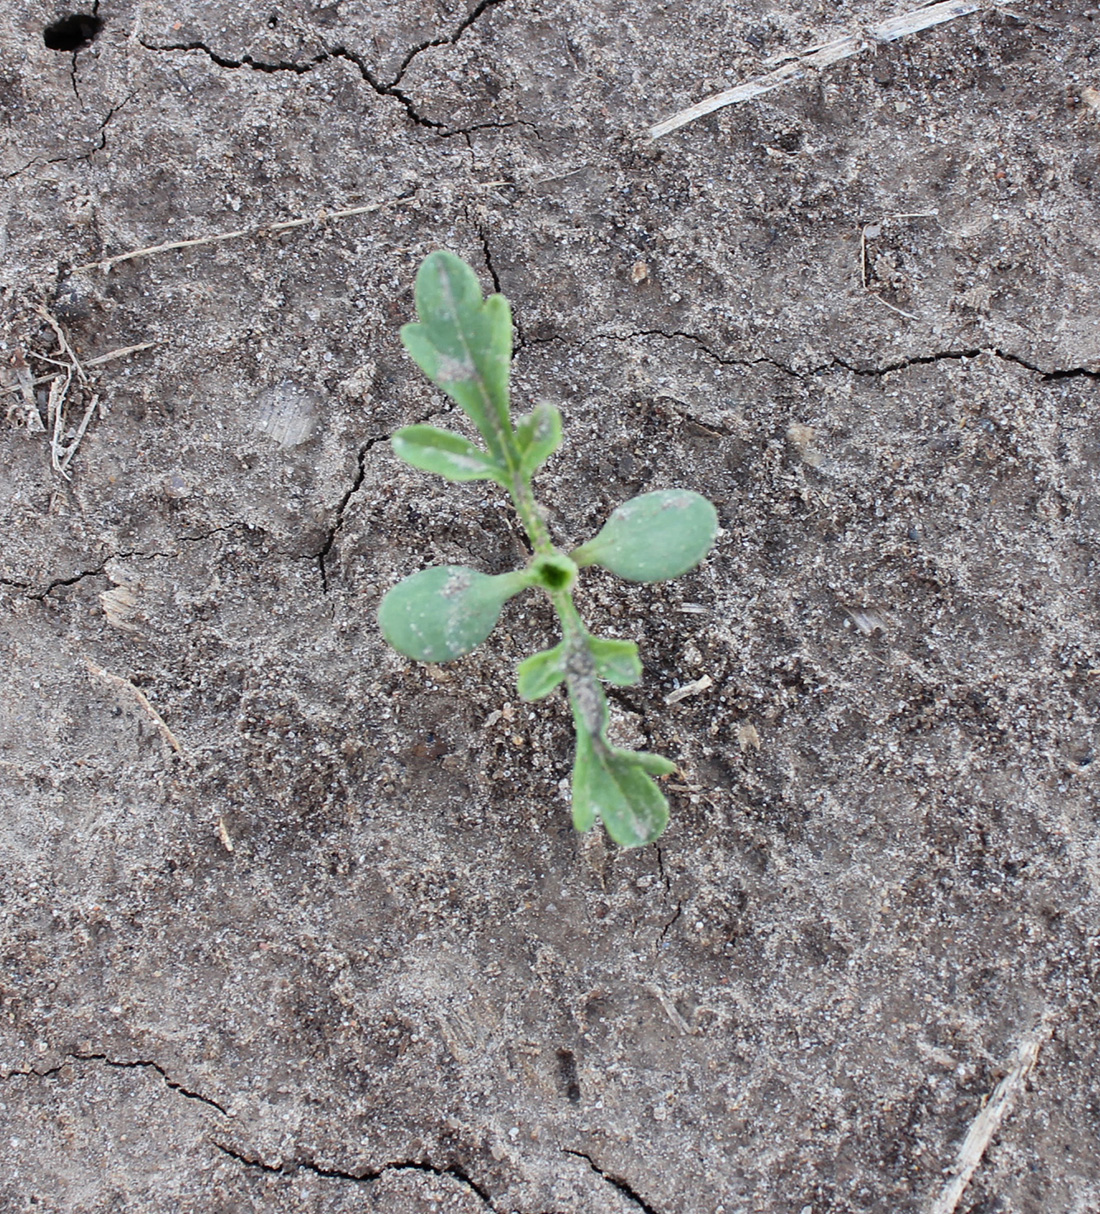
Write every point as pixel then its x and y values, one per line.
pixel 527 508
pixel 585 693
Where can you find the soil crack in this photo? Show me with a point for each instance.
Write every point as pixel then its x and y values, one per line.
pixel 724 359
pixel 382 88
pixel 618 1182
pixel 338 521
pixel 330 537
pixel 919 360
pixel 447 40
pixel 367 1176
pixel 1062 372
pixel 300 69
pixel 388 90
pixel 135 1064
pixel 100 569
pixel 51 586
pixel 668 925
pixel 487 253
pixel 103 125
pixel 258 65
pixel 665 878
pixel 902 364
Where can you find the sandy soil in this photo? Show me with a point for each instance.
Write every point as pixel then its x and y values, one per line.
pixel 290 924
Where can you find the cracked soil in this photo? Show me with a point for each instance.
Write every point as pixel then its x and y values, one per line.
pixel 290 924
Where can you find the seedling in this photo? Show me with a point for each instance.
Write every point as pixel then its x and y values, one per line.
pixel 464 345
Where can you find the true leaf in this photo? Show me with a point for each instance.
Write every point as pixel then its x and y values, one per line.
pixel 464 344
pixel 538 675
pixel 446 453
pixel 538 436
pixel 613 785
pixel 584 804
pixel 445 611
pixel 656 765
pixel 653 537
pixel 616 661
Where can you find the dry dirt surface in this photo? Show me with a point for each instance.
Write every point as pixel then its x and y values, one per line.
pixel 290 924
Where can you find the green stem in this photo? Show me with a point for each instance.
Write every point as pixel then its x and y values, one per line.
pixel 501 430
pixel 585 693
pixel 519 488
pixel 528 510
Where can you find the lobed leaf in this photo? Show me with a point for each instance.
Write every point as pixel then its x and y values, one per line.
pixel 616 787
pixel 445 611
pixel 656 765
pixel 447 453
pixel 538 675
pixel 616 661
pixel 611 784
pixel 538 436
pixel 653 537
pixel 464 344
pixel 584 802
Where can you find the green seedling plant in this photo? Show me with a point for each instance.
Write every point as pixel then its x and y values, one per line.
pixel 463 344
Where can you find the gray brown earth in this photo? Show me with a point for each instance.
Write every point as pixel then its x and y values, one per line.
pixel 290 924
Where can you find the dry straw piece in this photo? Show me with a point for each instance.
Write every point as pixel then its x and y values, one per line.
pixel 262 231
pixel 822 56
pixel 110 356
pixel 267 229
pixel 128 688
pixel 64 440
pixel 992 1114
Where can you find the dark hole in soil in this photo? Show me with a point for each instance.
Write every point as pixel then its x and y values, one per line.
pixel 567 1072
pixel 73 32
